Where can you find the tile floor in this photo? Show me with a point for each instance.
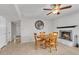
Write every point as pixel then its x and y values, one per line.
pixel 28 49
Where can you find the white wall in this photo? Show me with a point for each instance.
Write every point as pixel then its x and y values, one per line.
pixel 8 30
pixel 28 28
pixel 18 23
pixel 68 20
pixel 2 31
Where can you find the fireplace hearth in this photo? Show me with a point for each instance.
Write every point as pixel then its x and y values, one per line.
pixel 65 34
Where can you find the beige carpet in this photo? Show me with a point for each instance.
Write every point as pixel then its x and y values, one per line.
pixel 28 49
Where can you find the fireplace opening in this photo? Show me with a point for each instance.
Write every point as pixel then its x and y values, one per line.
pixel 66 35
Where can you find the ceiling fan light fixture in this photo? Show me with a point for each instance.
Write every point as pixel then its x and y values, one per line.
pixel 55 11
pixel 56 8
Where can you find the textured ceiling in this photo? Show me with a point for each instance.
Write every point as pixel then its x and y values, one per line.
pixel 32 11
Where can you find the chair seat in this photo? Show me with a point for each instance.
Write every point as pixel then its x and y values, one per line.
pixel 52 43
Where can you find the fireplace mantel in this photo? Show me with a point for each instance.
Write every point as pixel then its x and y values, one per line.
pixel 67 27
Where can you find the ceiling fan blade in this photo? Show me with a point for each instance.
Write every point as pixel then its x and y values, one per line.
pixel 46 9
pixel 66 7
pixel 49 13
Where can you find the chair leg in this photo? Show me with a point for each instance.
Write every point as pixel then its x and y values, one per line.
pixel 50 49
pixel 45 45
pixel 35 45
pixel 56 47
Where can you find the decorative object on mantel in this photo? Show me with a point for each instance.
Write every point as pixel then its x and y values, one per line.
pixel 56 8
pixel 39 25
pixel 67 27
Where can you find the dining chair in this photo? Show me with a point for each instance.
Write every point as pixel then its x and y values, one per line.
pixel 39 39
pixel 42 36
pixel 35 37
pixel 52 42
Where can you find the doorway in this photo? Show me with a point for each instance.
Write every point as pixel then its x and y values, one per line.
pixel 15 31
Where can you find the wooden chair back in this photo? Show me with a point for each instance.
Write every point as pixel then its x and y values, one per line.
pixel 39 39
pixel 35 36
pixel 53 37
pixel 42 35
pixel 53 40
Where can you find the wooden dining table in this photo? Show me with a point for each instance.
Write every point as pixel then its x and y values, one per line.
pixel 49 40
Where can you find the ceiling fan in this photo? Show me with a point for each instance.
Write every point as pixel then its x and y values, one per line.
pixel 56 8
